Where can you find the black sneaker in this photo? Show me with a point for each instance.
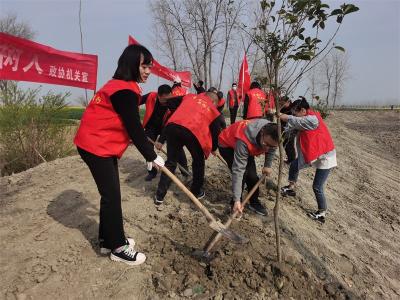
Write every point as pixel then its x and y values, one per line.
pixel 200 195
pixel 150 176
pixel 319 215
pixel 158 201
pixel 258 208
pixel 105 250
pixel 128 256
pixel 288 191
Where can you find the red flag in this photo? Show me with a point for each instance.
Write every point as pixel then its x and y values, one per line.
pixel 244 79
pixel 159 70
pixel 24 60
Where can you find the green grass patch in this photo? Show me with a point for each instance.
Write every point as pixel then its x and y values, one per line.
pixel 70 113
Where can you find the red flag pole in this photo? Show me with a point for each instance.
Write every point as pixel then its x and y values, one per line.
pixel 165 72
pixel 243 83
pixel 242 90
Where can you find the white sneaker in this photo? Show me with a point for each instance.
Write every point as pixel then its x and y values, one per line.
pixel 128 256
pixel 319 215
pixel 105 250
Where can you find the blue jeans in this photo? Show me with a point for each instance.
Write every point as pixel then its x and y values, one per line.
pixel 321 175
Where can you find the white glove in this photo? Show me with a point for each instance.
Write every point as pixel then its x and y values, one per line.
pixel 149 165
pixel 159 161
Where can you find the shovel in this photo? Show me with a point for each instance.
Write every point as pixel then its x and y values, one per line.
pixel 179 166
pixel 212 222
pixel 206 253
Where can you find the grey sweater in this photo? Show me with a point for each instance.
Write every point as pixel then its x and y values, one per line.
pixel 241 155
pixel 296 124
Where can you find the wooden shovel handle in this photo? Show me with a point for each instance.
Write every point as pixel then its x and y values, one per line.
pixel 252 191
pixel 178 164
pixel 233 216
pixel 154 143
pixel 221 159
pixel 192 197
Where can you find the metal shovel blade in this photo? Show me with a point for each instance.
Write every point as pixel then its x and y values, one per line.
pixel 203 255
pixel 228 233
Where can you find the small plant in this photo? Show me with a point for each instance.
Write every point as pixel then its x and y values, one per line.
pixel 198 289
pixel 31 130
pixel 288 34
pixel 323 110
pixel 321 107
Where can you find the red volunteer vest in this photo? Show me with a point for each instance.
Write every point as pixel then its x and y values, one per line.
pixel 167 115
pixel 232 98
pixel 314 143
pixel 256 97
pixel 196 113
pixel 101 130
pixel 150 103
pixel 236 131
pixel 179 91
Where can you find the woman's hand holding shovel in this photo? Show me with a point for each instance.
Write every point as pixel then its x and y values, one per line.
pixel 158 163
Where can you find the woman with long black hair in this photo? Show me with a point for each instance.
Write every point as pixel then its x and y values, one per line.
pixel 110 122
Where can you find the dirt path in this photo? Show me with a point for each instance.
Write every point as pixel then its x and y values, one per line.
pixel 49 219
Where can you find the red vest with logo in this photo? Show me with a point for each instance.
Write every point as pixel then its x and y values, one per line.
pixel 150 103
pixel 314 143
pixel 256 98
pixel 196 113
pixel 237 131
pixel 232 98
pixel 179 91
pixel 101 130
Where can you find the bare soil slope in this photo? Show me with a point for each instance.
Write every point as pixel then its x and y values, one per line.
pixel 49 220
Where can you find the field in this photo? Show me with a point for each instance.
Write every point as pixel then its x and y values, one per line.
pixel 49 220
pixel 71 113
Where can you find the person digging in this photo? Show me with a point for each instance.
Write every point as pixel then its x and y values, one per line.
pixel 238 144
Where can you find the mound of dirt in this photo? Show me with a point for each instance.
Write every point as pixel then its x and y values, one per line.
pixel 49 223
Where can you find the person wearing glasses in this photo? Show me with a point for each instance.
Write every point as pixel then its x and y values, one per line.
pixel 238 144
pixel 315 148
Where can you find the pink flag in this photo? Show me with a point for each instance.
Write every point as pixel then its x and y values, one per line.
pixel 24 60
pixel 244 79
pixel 184 77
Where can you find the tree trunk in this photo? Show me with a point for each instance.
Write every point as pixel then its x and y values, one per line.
pixel 328 93
pixel 210 67
pixel 205 70
pixel 334 97
pixel 278 194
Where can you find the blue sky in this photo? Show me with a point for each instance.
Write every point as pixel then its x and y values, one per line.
pixel 371 38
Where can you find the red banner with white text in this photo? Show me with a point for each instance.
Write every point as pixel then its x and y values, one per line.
pixel 185 77
pixel 24 60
